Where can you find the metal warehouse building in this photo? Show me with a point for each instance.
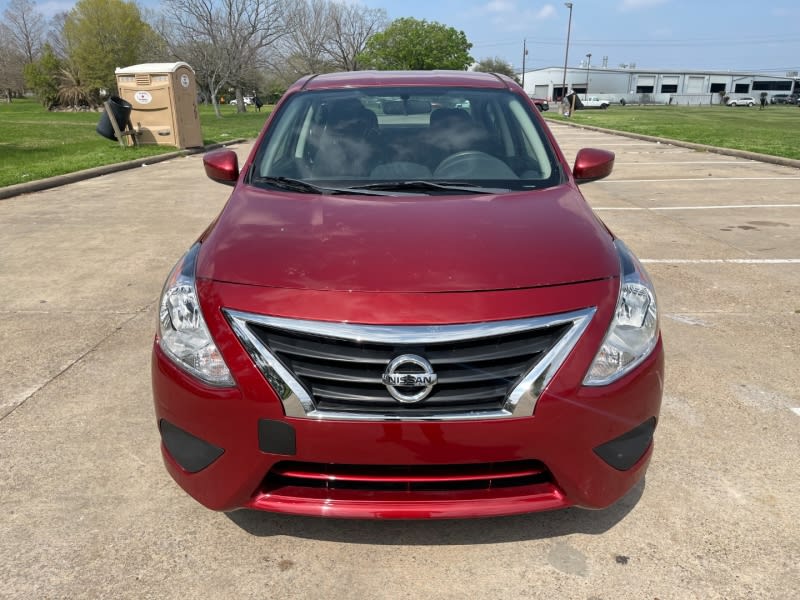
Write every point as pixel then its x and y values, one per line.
pixel 656 86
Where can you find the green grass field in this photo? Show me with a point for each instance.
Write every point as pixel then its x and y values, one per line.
pixel 774 130
pixel 35 143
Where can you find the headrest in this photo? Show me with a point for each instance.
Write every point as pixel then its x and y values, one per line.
pixel 450 117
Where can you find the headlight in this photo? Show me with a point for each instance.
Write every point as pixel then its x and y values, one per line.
pixel 634 330
pixel 183 334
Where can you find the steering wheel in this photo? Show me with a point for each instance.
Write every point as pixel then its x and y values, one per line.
pixel 473 164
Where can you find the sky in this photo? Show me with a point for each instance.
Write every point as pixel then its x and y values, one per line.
pixel 718 35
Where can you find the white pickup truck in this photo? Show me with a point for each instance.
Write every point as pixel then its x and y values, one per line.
pixel 595 102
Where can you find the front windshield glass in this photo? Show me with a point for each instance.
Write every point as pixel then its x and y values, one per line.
pixel 426 139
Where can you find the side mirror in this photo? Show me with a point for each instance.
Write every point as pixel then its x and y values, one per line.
pixel 222 166
pixel 592 164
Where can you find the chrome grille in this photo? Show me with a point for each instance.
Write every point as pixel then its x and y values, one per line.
pixel 345 375
pixel 333 370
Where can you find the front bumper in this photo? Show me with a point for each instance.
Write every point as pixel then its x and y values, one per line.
pixel 562 437
pixel 557 457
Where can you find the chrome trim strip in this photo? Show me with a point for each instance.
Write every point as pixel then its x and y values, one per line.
pixel 523 398
pixel 406 334
pixel 521 401
pixel 295 399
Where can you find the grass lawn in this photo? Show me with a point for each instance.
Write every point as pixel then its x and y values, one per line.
pixel 35 143
pixel 774 130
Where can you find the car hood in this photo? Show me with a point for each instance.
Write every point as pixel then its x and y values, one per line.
pixel 437 243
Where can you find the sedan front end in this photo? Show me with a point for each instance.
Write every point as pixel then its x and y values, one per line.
pixel 429 323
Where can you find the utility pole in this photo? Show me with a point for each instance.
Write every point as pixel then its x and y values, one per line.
pixel 524 54
pixel 566 53
pixel 588 64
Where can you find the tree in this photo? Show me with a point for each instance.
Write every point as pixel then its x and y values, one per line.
pixel 21 35
pixel 496 65
pixel 11 69
pixel 409 43
pixel 232 34
pixel 322 36
pixel 352 25
pixel 24 28
pixel 56 37
pixel 42 76
pixel 102 35
pixel 309 30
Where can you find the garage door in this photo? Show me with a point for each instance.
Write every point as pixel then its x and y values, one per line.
pixel 695 85
pixel 541 91
pixel 646 81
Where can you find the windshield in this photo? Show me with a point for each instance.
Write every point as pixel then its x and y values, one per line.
pixel 405 139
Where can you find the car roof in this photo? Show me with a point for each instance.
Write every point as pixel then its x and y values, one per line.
pixel 402 78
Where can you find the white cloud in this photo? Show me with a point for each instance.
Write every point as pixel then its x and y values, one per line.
pixel 501 6
pixel 510 9
pixel 628 5
pixel 508 16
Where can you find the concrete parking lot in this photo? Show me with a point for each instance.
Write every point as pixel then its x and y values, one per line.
pixel 88 511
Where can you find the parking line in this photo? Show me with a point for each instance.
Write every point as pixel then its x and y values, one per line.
pixel 722 261
pixel 662 163
pixel 707 207
pixel 634 143
pixel 715 179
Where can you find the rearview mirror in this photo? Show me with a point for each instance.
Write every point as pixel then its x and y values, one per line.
pixel 222 166
pixel 592 164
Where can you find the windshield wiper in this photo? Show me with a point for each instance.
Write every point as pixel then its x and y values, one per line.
pixel 421 185
pixel 298 185
pixel 293 185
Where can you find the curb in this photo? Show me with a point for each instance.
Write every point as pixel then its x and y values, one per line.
pixel 59 180
pixel 775 160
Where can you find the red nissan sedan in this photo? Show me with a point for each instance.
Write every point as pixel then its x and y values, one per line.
pixel 406 309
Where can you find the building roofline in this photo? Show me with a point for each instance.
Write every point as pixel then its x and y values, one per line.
pixel 639 70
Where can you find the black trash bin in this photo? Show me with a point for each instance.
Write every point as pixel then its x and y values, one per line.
pixel 121 109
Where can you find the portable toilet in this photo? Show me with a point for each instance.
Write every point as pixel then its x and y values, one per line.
pixel 164 103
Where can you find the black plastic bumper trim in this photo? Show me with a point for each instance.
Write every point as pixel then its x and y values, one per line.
pixel 626 450
pixel 276 437
pixel 191 453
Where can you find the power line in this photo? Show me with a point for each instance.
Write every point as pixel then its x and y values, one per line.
pixel 649 42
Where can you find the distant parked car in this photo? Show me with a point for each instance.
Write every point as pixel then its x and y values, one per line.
pixel 779 99
pixel 595 102
pixel 541 104
pixel 248 100
pixel 743 101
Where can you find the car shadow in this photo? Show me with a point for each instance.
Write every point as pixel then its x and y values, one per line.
pixel 491 530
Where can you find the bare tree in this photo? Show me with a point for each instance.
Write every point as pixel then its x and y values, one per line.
pixel 21 35
pixel 24 28
pixel 231 34
pixel 59 42
pixel 210 65
pixel 305 48
pixel 11 69
pixel 352 25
